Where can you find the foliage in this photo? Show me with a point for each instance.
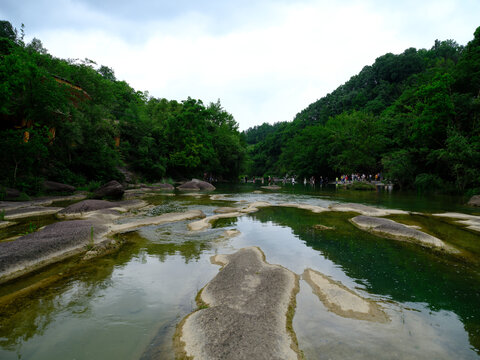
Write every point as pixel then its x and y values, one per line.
pixel 83 124
pixel 415 117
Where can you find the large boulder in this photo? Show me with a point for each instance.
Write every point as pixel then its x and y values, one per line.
pixel 196 184
pixel 112 189
pixel 52 186
pixel 474 200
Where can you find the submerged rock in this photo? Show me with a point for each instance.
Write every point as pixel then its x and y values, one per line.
pixel 392 229
pixel 244 312
pixel 341 300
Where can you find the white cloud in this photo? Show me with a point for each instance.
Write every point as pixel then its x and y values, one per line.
pixel 262 70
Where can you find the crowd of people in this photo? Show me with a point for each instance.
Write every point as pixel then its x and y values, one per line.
pixel 343 179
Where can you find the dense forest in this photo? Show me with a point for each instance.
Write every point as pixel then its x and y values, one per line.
pixel 414 117
pixel 72 121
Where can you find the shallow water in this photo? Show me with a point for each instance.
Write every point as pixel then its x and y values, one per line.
pixel 126 305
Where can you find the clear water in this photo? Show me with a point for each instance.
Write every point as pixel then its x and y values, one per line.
pixel 126 305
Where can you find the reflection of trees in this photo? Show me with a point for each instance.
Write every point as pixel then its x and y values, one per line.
pixel 189 250
pixel 30 315
pixel 402 271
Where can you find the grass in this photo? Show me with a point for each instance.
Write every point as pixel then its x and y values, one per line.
pixel 91 243
pixel 2 215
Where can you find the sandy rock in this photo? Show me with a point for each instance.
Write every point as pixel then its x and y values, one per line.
pixel 341 300
pixel 365 210
pixel 246 315
pixel 397 231
pixel 196 184
pixel 230 233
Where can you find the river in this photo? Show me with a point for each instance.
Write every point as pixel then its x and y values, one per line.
pixel 126 305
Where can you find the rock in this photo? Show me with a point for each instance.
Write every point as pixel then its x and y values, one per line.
pixel 52 186
pixel 271 187
pixel 87 206
pixel 323 227
pixel 112 189
pixel 129 176
pixel 474 200
pixel 397 231
pixel 365 209
pixel 244 313
pixel 341 300
pixel 30 211
pixel 10 194
pixel 53 243
pixel 196 184
pixel 312 208
pixel 206 223
pixel 225 210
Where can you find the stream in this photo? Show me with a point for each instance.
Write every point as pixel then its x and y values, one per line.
pixel 126 305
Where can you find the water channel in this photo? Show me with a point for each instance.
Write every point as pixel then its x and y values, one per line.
pixel 126 305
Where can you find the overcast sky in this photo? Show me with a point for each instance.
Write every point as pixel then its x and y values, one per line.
pixel 265 60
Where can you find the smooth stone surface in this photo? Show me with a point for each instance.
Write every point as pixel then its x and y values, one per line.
pixel 246 317
pixel 52 243
pixel 341 300
pixel 156 220
pixel 390 228
pixel 365 209
pixel 312 208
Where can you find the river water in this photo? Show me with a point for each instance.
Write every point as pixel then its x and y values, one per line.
pixel 126 305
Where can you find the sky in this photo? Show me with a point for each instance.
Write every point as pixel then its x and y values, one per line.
pixel 265 60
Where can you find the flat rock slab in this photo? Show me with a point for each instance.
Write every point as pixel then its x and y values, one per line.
pixel 156 220
pixel 397 231
pixel 312 208
pixel 48 245
pixel 341 300
pixel 271 187
pixel 29 211
pixel 246 318
pixel 365 209
pixel 86 206
pixel 225 210
pixel 472 222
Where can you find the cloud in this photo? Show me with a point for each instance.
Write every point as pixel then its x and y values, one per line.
pixel 266 60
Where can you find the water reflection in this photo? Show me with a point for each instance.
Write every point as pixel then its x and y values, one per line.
pixel 400 271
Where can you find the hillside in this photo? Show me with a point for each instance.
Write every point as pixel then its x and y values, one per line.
pixel 413 117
